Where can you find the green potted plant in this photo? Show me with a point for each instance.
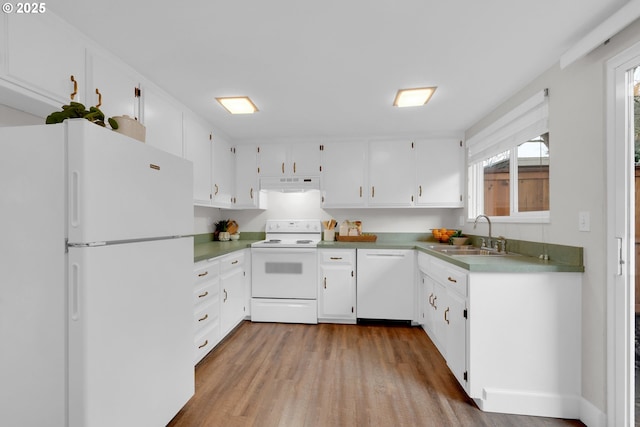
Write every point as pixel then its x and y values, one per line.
pixel 221 232
pixel 76 110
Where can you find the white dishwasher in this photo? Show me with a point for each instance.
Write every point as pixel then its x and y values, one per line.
pixel 385 284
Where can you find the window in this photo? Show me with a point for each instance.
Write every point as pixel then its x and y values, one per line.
pixel 509 165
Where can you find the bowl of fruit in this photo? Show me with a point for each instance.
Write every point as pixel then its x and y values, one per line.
pixel 443 235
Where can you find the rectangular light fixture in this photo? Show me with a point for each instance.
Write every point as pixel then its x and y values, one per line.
pixel 413 97
pixel 238 104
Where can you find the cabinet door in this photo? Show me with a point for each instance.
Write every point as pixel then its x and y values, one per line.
pixel 391 173
pixel 246 185
pixel 272 160
pixel 113 85
pixel 343 170
pixel 222 168
pixel 337 296
pixel 163 121
pixel 456 336
pixel 43 53
pixel 304 159
pixel 440 173
pixel 439 325
pixel 197 146
pixel 232 300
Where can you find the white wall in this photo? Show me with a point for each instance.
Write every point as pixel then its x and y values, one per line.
pixel 577 183
pixel 307 206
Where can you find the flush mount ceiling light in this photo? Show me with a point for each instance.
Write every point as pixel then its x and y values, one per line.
pixel 413 97
pixel 238 104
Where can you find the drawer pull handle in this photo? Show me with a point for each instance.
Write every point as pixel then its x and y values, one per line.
pixel 446 318
pixel 205 343
pixel 435 298
pixel 206 316
pixel 234 262
pixel 99 98
pixel 215 193
pixel 75 88
pixel 336 257
pixel 282 167
pixel 294 167
pixel 451 279
pixel 431 299
pixel 225 295
pixel 251 193
pixel 203 274
pixel 361 191
pixel 203 295
pixel 420 191
pixel 325 283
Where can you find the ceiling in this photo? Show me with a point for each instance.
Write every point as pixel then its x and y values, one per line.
pixel 331 69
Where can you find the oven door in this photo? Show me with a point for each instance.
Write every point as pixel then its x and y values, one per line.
pixel 284 273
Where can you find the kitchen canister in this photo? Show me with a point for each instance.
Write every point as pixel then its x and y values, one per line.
pixel 130 127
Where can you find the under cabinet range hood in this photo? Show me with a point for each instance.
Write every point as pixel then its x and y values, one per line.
pixel 292 184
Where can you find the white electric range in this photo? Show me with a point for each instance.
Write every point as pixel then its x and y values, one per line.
pixel 284 272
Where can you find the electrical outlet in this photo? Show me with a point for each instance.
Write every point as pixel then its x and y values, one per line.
pixel 584 221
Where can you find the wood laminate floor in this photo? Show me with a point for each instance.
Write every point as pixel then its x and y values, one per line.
pixel 327 375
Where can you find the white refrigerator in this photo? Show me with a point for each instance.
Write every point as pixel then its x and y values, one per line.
pixel 96 259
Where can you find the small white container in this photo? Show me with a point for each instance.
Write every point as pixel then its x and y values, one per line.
pixel 330 235
pixel 130 127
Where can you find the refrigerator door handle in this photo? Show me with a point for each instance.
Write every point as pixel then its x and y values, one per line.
pixel 74 292
pixel 75 199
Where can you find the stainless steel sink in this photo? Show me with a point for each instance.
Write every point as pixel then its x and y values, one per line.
pixel 468 250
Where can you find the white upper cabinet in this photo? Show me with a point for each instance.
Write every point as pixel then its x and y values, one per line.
pixel 289 159
pixel 43 53
pixel 111 84
pixel 198 148
pixel 391 173
pixel 222 172
pixel 343 174
pixel 162 117
pixel 305 158
pixel 246 189
pixel 440 177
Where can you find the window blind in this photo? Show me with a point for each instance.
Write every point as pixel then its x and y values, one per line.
pixel 526 121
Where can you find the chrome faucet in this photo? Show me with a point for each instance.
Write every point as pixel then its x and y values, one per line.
pixel 489 221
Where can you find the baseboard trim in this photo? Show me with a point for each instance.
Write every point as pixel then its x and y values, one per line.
pixel 592 416
pixel 530 403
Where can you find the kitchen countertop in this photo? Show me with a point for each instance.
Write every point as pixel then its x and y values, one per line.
pixel 206 249
pixel 475 263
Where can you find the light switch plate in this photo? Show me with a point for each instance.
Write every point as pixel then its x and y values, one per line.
pixel 584 221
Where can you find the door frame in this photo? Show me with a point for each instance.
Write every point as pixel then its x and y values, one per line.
pixel 621 241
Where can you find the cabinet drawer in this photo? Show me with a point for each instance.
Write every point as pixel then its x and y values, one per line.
pixel 207 315
pixel 232 261
pixel 449 275
pixel 204 342
pixel 337 256
pixel 206 270
pixel 424 262
pixel 206 292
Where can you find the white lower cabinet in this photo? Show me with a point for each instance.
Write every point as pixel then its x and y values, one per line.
pixel 233 301
pixel 337 285
pixel 206 306
pixel 219 299
pixel 512 340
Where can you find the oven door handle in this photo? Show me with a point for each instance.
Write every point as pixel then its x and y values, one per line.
pixel 281 251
